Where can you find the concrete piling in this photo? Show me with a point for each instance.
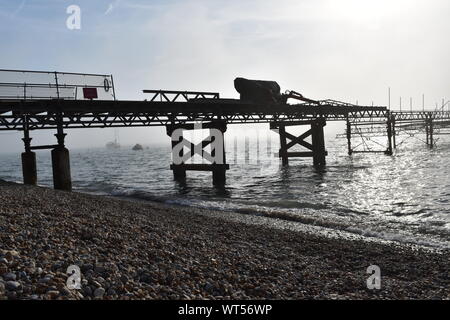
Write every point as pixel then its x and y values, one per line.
pixel 318 142
pixel 29 169
pixel 62 179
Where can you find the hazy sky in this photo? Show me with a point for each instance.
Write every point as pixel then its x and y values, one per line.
pixel 346 50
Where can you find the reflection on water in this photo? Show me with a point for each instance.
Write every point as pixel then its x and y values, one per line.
pixel 404 197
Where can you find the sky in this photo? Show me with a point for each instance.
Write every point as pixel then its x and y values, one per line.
pixel 348 50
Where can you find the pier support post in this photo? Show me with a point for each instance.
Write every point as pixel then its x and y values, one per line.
pixel 349 137
pixel 179 174
pixel 316 149
pixel 29 168
pixel 283 153
pixel 318 142
pixel 217 157
pixel 394 133
pixel 430 131
pixel 219 173
pixel 389 135
pixel 62 179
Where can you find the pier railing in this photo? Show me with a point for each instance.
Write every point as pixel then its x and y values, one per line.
pixel 46 85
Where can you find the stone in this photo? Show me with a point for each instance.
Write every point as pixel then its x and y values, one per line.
pixel 112 292
pixel 53 294
pixel 46 279
pixel 64 291
pixel 87 291
pixel 10 276
pixel 12 254
pixel 86 267
pixel 3 261
pixel 12 285
pixel 99 293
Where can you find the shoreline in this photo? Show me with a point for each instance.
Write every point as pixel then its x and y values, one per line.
pixel 144 250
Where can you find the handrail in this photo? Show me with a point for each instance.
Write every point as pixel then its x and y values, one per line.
pixel 52 81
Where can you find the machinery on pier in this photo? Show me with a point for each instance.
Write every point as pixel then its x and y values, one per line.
pixel 262 91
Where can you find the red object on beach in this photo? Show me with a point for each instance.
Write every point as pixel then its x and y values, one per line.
pixel 90 93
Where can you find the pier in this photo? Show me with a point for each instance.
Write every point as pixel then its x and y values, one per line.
pixel 34 100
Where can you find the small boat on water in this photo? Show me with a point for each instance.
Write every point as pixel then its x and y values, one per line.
pixel 114 144
pixel 137 147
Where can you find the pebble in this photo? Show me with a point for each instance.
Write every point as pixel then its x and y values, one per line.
pixel 12 285
pixel 99 292
pixel 87 291
pixel 9 277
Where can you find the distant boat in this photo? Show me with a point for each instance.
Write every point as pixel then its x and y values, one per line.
pixel 114 144
pixel 138 147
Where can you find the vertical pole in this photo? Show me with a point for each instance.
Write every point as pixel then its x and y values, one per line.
pixel 389 134
pixel 178 173
pixel 219 175
pixel 113 89
pixel 349 137
pixel 29 169
pixel 427 132
pixel 62 179
pixel 57 86
pixel 431 133
pixel 389 98
pixel 393 131
pixel 423 102
pixel 283 150
pixel 318 142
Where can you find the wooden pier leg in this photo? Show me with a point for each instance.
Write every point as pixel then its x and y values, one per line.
pixel 283 150
pixel 219 175
pixel 349 137
pixel 389 135
pixel 62 179
pixel 431 134
pixel 394 132
pixel 318 142
pixel 29 168
pixel 427 133
pixel 179 174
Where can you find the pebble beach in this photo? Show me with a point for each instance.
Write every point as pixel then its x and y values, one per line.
pixel 145 250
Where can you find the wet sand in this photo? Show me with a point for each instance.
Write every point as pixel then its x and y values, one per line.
pixel 143 250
